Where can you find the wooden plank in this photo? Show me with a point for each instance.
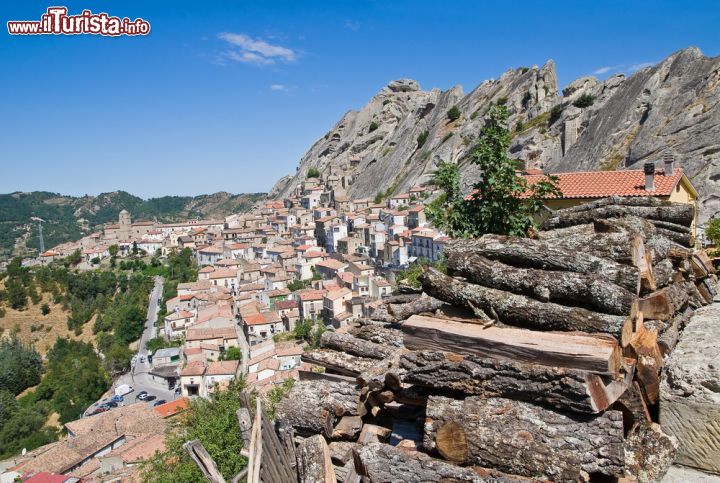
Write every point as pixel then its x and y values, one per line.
pixel 597 353
pixel 324 376
pixel 204 461
pixel 255 456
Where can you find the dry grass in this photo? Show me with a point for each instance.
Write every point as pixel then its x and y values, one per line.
pixel 47 327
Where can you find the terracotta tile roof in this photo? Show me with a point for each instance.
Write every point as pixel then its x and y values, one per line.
pixel 222 368
pixel 601 184
pixel 336 294
pixel 195 368
pixel 286 304
pixel 172 408
pixel 309 295
pixel 207 334
pixel 255 319
pixel 331 264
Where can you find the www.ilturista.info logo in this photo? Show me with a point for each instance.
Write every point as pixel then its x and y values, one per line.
pixel 57 22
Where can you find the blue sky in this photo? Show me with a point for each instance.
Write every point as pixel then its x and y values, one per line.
pixel 228 95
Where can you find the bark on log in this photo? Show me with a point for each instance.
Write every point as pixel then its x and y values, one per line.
pixel 525 439
pixel 384 463
pixel 314 464
pixel 644 349
pixel 378 335
pixel 685 230
pixel 417 306
pixel 518 310
pixel 595 353
pixel 527 253
pixel 616 200
pixel 352 345
pixel 663 273
pixel 568 288
pixel 313 407
pixel 649 453
pixel 557 387
pixel 340 362
pixel 633 406
pixel 663 247
pixel 679 213
pixel 627 224
pixel 620 247
pixel 684 239
pixel 348 427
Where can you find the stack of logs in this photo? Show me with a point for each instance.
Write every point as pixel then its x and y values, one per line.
pixel 531 359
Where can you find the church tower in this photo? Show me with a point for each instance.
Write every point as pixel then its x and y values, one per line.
pixel 124 225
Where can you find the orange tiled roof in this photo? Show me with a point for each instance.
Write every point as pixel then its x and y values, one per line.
pixel 173 407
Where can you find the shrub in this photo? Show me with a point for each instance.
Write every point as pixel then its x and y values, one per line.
pixel 453 114
pixel 95 261
pixel 474 115
pixel 422 137
pixel 378 198
pixel 373 126
pixel 585 100
pixel 45 309
pixel 556 112
pixel 313 173
pixel 502 100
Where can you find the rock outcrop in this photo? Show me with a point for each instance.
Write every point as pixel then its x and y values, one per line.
pixel 400 136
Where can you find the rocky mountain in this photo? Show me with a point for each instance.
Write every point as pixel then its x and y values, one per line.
pixel 400 136
pixel 69 218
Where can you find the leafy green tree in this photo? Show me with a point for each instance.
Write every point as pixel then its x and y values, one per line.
pixel 113 250
pixel 453 114
pixel 313 173
pixel 8 406
pixel 157 343
pixel 585 100
pixel 95 261
pixel 16 295
pixel 20 366
pixel 74 258
pixel 502 202
pixel 448 211
pixel 25 429
pixel 712 232
pixel 214 424
pixel 135 248
pixel 45 309
pixel 373 126
pixel 232 354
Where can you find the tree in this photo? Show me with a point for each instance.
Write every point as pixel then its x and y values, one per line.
pixel 231 354
pixel 373 126
pixel 113 250
pixel 157 343
pixel 214 424
pixel 313 173
pixel 453 114
pixel 20 366
pixel 134 248
pixel 502 202
pixel 585 100
pixel 16 295
pixel 712 232
pixel 95 261
pixel 45 309
pixel 8 406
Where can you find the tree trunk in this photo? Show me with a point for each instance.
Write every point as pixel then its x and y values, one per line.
pixel 352 345
pixel 684 239
pixel 561 388
pixel 417 306
pixel 314 464
pixel 517 310
pixel 665 303
pixel 378 335
pixel 384 463
pixel 524 439
pixel 663 273
pixel 527 253
pixel 339 362
pixel 620 247
pixel 598 353
pixel 679 213
pixel 649 452
pixel 313 407
pixel 568 288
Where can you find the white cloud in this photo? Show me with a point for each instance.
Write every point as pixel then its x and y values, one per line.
pixel 352 25
pixel 622 68
pixel 279 87
pixel 606 69
pixel 255 51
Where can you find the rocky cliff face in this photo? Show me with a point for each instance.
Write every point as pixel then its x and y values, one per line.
pixel 671 106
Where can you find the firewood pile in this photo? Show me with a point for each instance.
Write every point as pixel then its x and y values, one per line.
pixel 532 359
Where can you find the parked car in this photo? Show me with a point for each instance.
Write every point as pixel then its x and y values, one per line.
pixel 159 402
pixel 117 398
pixel 98 411
pixel 109 404
pixel 142 359
pixel 141 395
pixel 149 398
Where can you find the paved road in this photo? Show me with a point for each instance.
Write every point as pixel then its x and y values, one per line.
pixel 139 377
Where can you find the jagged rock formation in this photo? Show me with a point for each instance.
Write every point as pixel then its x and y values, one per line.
pixel 671 106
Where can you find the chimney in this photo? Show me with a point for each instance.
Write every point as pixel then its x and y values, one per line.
pixel 669 160
pixel 649 169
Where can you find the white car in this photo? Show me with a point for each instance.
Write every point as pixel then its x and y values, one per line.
pixel 123 389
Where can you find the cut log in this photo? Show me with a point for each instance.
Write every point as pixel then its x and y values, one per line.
pixel 671 226
pixel 668 338
pixel 664 303
pixel 621 247
pixel 595 353
pixel 525 439
pixel 313 407
pixel 314 464
pixel 568 288
pixel 384 463
pixel 372 433
pixel 341 451
pixel 418 306
pixel 626 224
pixel 339 362
pixel 527 253
pixel 352 345
pixel 649 452
pixel 518 310
pixel 663 272
pixel 632 404
pixel 557 387
pixel 679 213
pixel 684 239
pixel 348 427
pixel 644 348
pixel 378 335
pixel 323 376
